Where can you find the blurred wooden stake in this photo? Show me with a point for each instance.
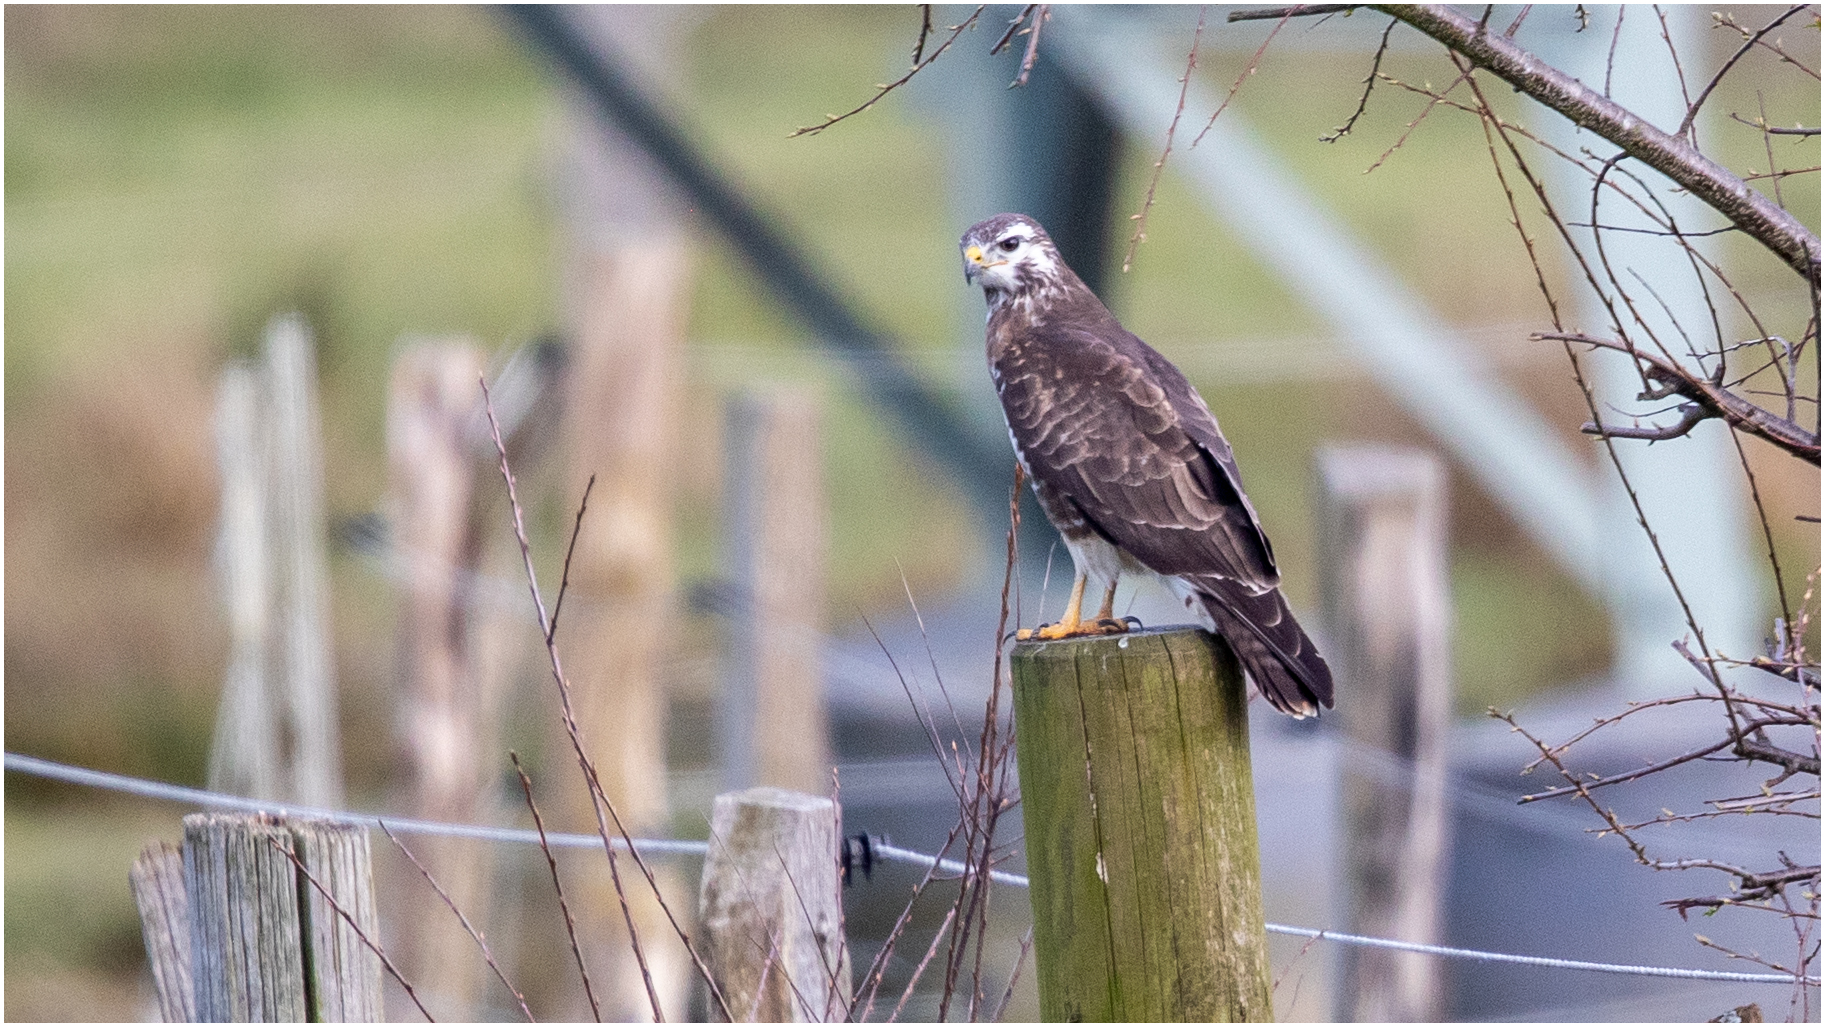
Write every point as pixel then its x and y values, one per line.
pixel 243 760
pixel 276 733
pixel 433 412
pixel 772 722
pixel 772 907
pixel 626 299
pixel 1387 613
pixel 303 563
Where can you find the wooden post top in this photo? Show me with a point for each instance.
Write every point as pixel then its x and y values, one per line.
pixel 1037 645
pixel 1140 828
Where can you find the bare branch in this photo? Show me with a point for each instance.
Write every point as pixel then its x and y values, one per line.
pixel 1368 86
pixel 925 31
pixel 1040 17
pixel 1762 124
pixel 1032 17
pixel 557 886
pixel 603 807
pixel 371 945
pixel 1717 186
pixel 1716 400
pixel 480 941
pixel 1014 24
pixel 1582 788
pixel 1026 947
pixel 882 91
pixel 576 530
pixel 1253 63
pixel 1690 414
pixel 1267 13
pixel 1685 125
pixel 1726 20
pixel 1140 227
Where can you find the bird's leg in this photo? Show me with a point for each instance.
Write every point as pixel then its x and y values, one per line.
pixel 1072 624
pixel 1066 624
pixel 1105 622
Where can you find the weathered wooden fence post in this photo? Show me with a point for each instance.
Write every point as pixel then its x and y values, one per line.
pixel 1140 829
pixel 157 880
pixel 450 716
pixel 264 944
pixel 771 907
pixel 626 307
pixel 1387 613
pixel 772 726
pixel 276 733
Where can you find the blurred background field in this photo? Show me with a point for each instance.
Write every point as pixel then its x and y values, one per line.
pixel 174 176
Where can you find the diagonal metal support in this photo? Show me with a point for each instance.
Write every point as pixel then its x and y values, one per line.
pixel 981 465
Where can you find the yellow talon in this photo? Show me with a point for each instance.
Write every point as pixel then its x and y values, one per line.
pixel 1072 625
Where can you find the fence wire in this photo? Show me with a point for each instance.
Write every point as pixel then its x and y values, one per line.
pixel 35 767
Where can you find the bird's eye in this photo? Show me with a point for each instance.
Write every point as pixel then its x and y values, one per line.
pixel 1010 244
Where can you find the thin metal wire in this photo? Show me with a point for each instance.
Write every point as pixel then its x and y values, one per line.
pixel 36 767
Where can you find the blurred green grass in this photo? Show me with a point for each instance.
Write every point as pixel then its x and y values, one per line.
pixel 176 175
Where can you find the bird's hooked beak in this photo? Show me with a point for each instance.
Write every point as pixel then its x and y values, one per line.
pixel 972 263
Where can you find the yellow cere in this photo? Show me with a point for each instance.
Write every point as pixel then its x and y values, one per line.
pixel 973 253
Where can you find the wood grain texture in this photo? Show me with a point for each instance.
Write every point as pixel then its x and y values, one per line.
pixel 1140 829
pixel 343 974
pixel 245 933
pixel 264 944
pixel 157 880
pixel 771 907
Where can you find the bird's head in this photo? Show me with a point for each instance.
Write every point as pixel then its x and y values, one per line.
pixel 1011 257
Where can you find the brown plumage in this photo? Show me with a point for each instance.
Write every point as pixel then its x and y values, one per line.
pixel 1128 463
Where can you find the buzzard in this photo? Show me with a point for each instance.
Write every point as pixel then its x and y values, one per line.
pixel 1129 464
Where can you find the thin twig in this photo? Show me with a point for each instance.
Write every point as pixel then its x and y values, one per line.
pixel 557 886
pixel 919 971
pixel 1725 20
pixel 1609 63
pixel 1686 124
pixel 1040 16
pixel 831 982
pixel 1248 70
pixel 1582 788
pixel 372 945
pixel 576 530
pixel 1717 401
pixel 1679 73
pixel 925 31
pixel 604 808
pixel 1026 947
pixel 1013 29
pixel 1265 13
pixel 1274 989
pixel 1414 124
pixel 1140 220
pixel 1797 130
pixel 882 91
pixel 480 941
pixel 1368 86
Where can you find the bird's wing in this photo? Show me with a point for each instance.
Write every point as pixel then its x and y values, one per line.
pixel 1123 436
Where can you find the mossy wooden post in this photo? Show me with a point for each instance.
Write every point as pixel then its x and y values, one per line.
pixel 1140 829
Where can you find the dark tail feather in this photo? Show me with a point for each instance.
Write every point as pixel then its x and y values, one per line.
pixel 1273 648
